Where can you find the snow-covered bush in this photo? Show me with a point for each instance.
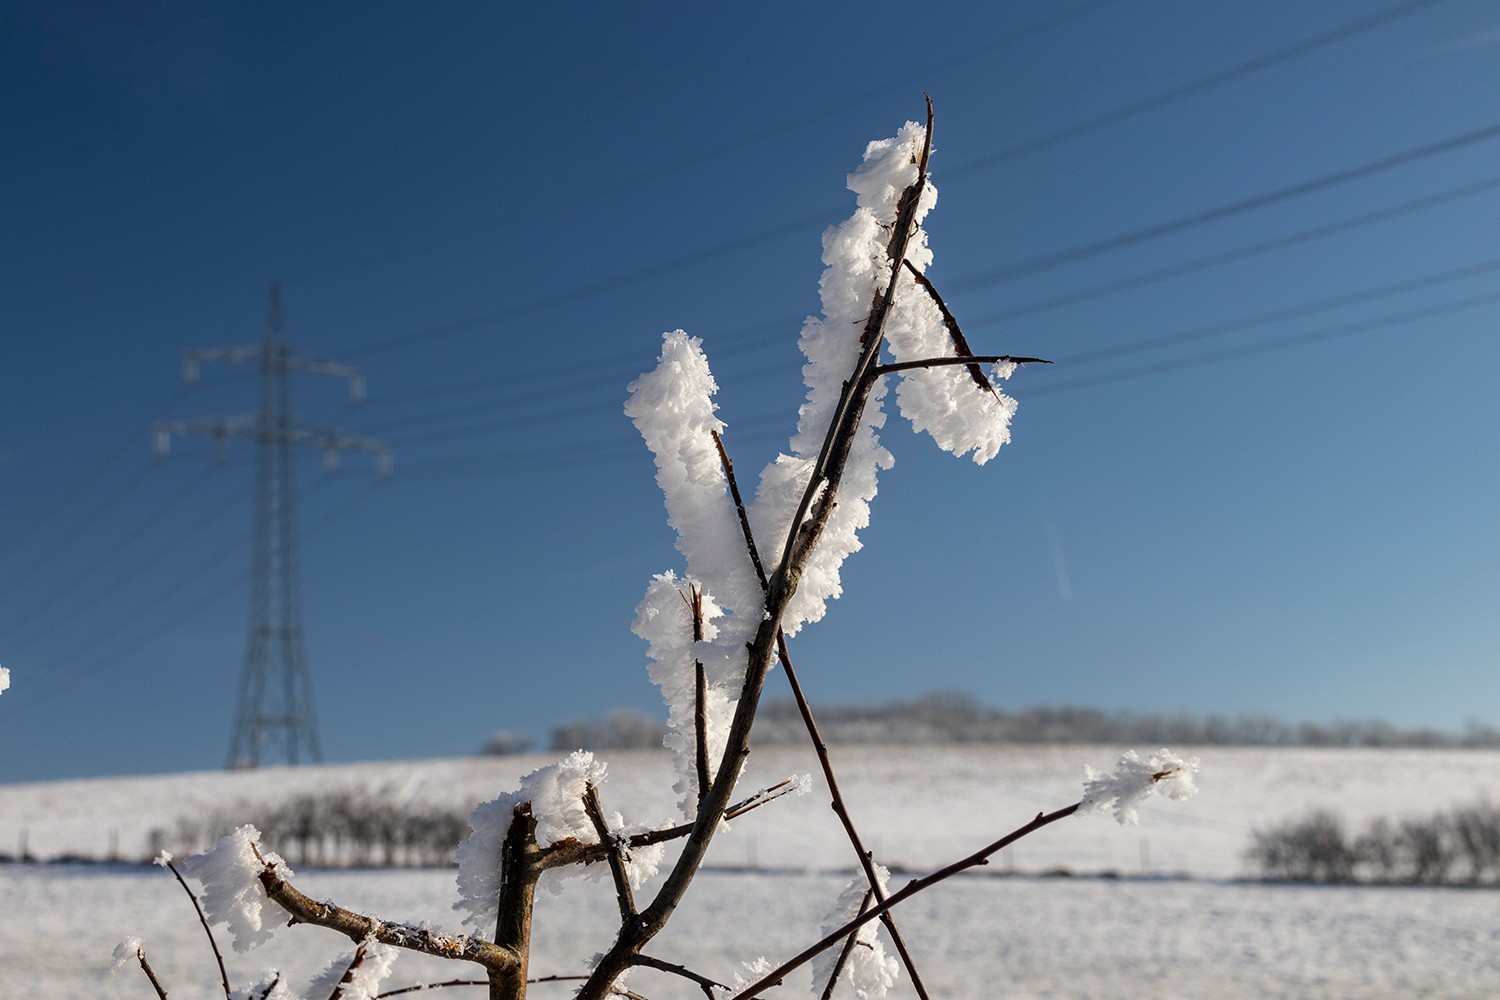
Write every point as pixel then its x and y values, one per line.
pixel 754 574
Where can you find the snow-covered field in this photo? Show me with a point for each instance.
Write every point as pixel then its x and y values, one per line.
pixel 976 936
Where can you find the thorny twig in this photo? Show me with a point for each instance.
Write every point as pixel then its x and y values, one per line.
pixel 484 982
pixel 357 926
pixel 866 860
pixel 986 359
pixel 612 850
pixel 979 857
pixel 218 955
pixel 960 342
pixel 706 984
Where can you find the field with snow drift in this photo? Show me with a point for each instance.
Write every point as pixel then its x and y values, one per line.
pixel 1173 923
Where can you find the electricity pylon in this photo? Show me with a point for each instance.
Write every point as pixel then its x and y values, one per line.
pixel 275 704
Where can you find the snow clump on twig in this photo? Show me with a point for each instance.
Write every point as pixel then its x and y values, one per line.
pixel 366 968
pixel 869 970
pixel 1133 780
pixel 555 796
pixel 126 951
pixel 232 892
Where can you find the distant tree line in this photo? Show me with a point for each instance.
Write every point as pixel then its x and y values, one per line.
pixel 1456 846
pixel 957 718
pixel 338 829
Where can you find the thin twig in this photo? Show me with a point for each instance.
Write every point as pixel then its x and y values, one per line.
pixel 572 852
pixel 612 849
pixel 704 983
pixel 218 955
pixel 270 987
pixel 700 727
pixel 437 986
pixel 960 342
pixel 694 601
pixel 841 810
pixel 843 959
pixel 739 507
pixel 979 857
pixel 865 859
pixel 348 977
pixel 356 926
pixel 983 359
pixel 806 528
pixel 140 956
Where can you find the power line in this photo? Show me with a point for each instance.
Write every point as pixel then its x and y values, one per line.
pixel 1284 313
pixel 767 235
pixel 677 164
pixel 1271 345
pixel 1192 88
pixel 1238 253
pixel 57 684
pixel 1009 272
pixel 50 599
pixel 133 571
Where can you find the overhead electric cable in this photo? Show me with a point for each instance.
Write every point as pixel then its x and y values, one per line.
pixel 103 557
pixel 911 83
pixel 134 570
pixel 1190 89
pixel 1277 315
pixel 1267 346
pixel 1010 272
pixel 1238 253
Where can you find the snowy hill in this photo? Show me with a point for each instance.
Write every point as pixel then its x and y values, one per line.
pixel 917 807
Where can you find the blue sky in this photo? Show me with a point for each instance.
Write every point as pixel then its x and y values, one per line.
pixel 1261 477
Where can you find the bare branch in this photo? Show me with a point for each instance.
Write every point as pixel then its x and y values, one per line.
pixel 841 810
pixel 357 927
pixel 849 942
pixel 960 342
pixel 983 359
pixel 979 857
pixel 270 987
pixel 694 601
pixel 865 859
pixel 704 983
pixel 474 982
pixel 612 849
pixel 700 727
pixel 739 507
pixel 814 509
pixel 446 983
pixel 218 955
pixel 348 976
pixel 140 956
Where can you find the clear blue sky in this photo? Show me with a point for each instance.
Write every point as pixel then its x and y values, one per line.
pixel 1287 505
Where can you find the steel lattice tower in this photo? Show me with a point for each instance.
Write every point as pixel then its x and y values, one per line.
pixel 274 709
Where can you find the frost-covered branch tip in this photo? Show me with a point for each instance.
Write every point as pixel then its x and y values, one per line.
pixel 130 949
pixel 1134 779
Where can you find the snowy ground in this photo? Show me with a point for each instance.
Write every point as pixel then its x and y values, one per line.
pixel 976 936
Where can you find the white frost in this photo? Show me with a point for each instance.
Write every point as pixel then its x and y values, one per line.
pixel 232 894
pixel 126 952
pixel 555 795
pixel 273 987
pixel 672 407
pixel 1133 780
pixel 364 982
pixel 4 678
pixel 664 620
pixel 868 969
